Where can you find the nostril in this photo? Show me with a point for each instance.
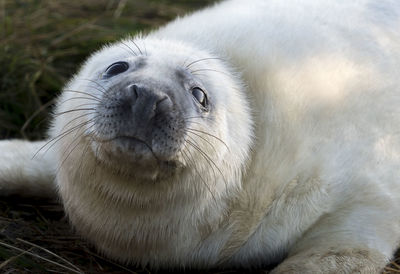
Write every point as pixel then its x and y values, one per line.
pixel 161 100
pixel 133 92
pixel 163 105
pixel 143 102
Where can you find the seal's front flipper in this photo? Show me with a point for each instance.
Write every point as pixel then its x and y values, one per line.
pixel 26 170
pixel 358 238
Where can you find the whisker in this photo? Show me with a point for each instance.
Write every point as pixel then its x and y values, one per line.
pixel 130 49
pixel 214 70
pixel 72 110
pixel 69 153
pixel 102 91
pixel 97 156
pixel 209 161
pixel 209 134
pixel 66 133
pixel 197 123
pixel 80 116
pixel 204 59
pixel 59 137
pixel 200 74
pixel 84 151
pixel 137 46
pixel 198 117
pixel 35 114
pixel 198 173
pixel 79 98
pixel 212 146
pixel 188 163
pixel 81 92
pixel 184 62
pixel 79 107
pixel 195 145
pixel 95 82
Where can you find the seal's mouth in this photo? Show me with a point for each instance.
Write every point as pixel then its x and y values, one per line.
pixel 133 142
pixel 130 147
pixel 138 148
pixel 132 156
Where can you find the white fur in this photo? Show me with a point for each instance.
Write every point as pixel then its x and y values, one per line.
pixel 321 184
pixel 24 170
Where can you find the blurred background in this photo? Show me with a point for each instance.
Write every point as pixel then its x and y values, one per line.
pixel 43 42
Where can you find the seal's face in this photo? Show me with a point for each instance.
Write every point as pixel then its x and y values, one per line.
pixel 153 111
pixel 142 117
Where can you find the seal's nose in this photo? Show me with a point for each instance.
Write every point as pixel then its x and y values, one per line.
pixel 145 103
pixel 134 110
pixel 139 104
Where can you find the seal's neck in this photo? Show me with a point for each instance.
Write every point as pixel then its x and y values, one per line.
pixel 125 222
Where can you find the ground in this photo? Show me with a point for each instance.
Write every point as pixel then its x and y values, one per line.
pixel 42 43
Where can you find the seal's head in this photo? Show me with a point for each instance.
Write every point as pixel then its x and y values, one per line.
pixel 149 126
pixel 152 110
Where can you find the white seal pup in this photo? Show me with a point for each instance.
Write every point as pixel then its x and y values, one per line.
pixel 243 135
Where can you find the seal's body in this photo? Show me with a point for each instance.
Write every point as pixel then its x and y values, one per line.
pixel 240 135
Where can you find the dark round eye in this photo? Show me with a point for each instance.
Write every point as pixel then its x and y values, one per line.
pixel 200 96
pixel 116 68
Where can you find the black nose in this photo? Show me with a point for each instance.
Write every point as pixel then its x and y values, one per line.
pixel 145 103
pixel 136 106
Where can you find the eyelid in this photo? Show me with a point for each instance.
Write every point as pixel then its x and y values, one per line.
pixel 119 66
pixel 204 102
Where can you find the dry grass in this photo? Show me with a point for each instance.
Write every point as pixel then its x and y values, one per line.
pixel 42 44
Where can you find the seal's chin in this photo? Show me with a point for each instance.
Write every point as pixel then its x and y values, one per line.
pixel 130 156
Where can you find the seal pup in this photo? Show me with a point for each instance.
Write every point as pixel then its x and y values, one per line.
pixel 243 135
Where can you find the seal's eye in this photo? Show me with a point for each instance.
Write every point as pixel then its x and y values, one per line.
pixel 200 96
pixel 116 68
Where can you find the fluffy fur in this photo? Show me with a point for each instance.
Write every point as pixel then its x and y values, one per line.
pixel 306 101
